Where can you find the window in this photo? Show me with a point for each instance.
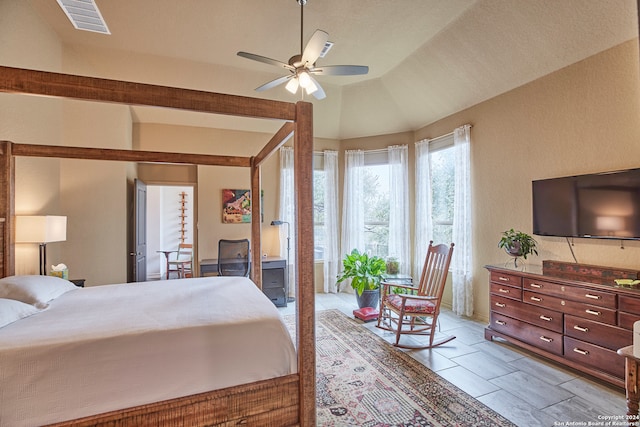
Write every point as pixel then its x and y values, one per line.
pixel 376 208
pixel 318 206
pixel 442 165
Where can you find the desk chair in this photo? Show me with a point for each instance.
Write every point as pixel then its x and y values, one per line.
pixel 183 264
pixel 416 311
pixel 233 257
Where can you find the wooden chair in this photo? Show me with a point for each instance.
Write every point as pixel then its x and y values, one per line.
pixel 416 311
pixel 183 264
pixel 233 257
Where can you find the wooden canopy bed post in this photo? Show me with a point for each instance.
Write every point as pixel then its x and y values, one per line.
pixel 7 214
pixel 253 403
pixel 305 286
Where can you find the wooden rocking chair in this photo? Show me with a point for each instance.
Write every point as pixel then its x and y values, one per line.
pixel 416 311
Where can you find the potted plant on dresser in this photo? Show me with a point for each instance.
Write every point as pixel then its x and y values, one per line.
pixel 365 273
pixel 518 244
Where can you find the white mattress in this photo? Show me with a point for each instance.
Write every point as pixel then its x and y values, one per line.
pixel 109 347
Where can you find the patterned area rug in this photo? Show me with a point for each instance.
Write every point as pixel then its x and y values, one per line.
pixel 364 381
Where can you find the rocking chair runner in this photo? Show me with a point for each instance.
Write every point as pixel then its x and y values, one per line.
pixel 416 312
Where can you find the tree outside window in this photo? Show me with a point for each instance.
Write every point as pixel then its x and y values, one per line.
pixel 376 210
pixel 318 214
pixel 442 188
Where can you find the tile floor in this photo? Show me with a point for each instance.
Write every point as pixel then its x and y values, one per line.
pixel 524 388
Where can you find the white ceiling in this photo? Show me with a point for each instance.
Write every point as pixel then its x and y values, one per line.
pixel 427 58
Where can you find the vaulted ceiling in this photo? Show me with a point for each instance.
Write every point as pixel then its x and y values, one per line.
pixel 427 58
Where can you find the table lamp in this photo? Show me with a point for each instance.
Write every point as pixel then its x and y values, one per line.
pixel 42 230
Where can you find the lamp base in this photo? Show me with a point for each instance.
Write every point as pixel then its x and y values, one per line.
pixel 43 259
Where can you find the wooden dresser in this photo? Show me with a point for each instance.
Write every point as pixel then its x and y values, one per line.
pixel 574 314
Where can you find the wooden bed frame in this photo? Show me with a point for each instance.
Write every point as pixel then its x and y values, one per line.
pixel 283 401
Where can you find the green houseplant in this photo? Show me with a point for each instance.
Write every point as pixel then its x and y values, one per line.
pixel 365 273
pixel 518 244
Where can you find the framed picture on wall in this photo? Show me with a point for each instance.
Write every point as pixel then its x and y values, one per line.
pixel 236 206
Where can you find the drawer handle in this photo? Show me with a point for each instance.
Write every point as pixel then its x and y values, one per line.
pixel 595 313
pixel 501 305
pixel 580 351
pixel 501 323
pixel 546 339
pixel 504 279
pixel 546 318
pixel 535 285
pixel 592 296
pixel 504 291
pixel 535 299
pixel 580 328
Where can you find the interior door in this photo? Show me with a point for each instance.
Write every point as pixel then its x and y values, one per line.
pixel 140 232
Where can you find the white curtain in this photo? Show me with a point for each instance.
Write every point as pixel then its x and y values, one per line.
pixel 331 252
pixel 399 236
pixel 423 223
pixel 352 204
pixel 287 213
pixel 461 263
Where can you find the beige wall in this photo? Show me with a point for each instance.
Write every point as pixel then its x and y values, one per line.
pixel 581 119
pixel 91 194
pixel 212 179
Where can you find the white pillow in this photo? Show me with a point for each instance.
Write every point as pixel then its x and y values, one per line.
pixel 35 290
pixel 12 310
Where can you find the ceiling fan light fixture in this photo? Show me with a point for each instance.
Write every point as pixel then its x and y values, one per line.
pixel 304 78
pixel 292 86
pixel 311 87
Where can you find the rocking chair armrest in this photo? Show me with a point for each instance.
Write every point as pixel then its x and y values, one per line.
pixel 397 285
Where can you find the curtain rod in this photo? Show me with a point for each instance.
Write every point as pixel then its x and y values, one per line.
pixel 445 135
pixel 440 137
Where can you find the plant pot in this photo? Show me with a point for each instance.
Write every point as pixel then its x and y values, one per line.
pixel 369 298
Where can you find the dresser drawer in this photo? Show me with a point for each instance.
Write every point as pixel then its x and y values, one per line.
pixel 576 308
pixel 534 335
pixel 506 279
pixel 539 316
pixel 626 320
pixel 589 354
pixel 506 291
pixel 611 337
pixel 629 304
pixel 574 293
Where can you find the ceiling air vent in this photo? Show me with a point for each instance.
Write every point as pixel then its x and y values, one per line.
pixel 327 47
pixel 84 15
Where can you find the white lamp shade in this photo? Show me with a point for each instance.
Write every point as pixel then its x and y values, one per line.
pixel 41 229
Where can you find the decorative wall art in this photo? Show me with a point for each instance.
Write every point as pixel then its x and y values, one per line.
pixel 236 206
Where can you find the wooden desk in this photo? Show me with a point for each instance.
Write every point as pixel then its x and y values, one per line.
pixel 274 284
pixel 632 381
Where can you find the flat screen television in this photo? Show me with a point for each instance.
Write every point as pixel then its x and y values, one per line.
pixel 601 205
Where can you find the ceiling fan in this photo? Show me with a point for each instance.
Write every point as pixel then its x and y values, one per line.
pixel 302 67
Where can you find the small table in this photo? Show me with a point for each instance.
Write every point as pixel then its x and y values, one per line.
pixel 166 255
pixel 400 279
pixel 632 381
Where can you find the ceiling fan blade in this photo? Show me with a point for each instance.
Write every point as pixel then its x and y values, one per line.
pixel 319 93
pixel 274 83
pixel 314 47
pixel 265 60
pixel 340 70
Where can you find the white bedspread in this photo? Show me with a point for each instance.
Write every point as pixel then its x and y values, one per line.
pixel 109 347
